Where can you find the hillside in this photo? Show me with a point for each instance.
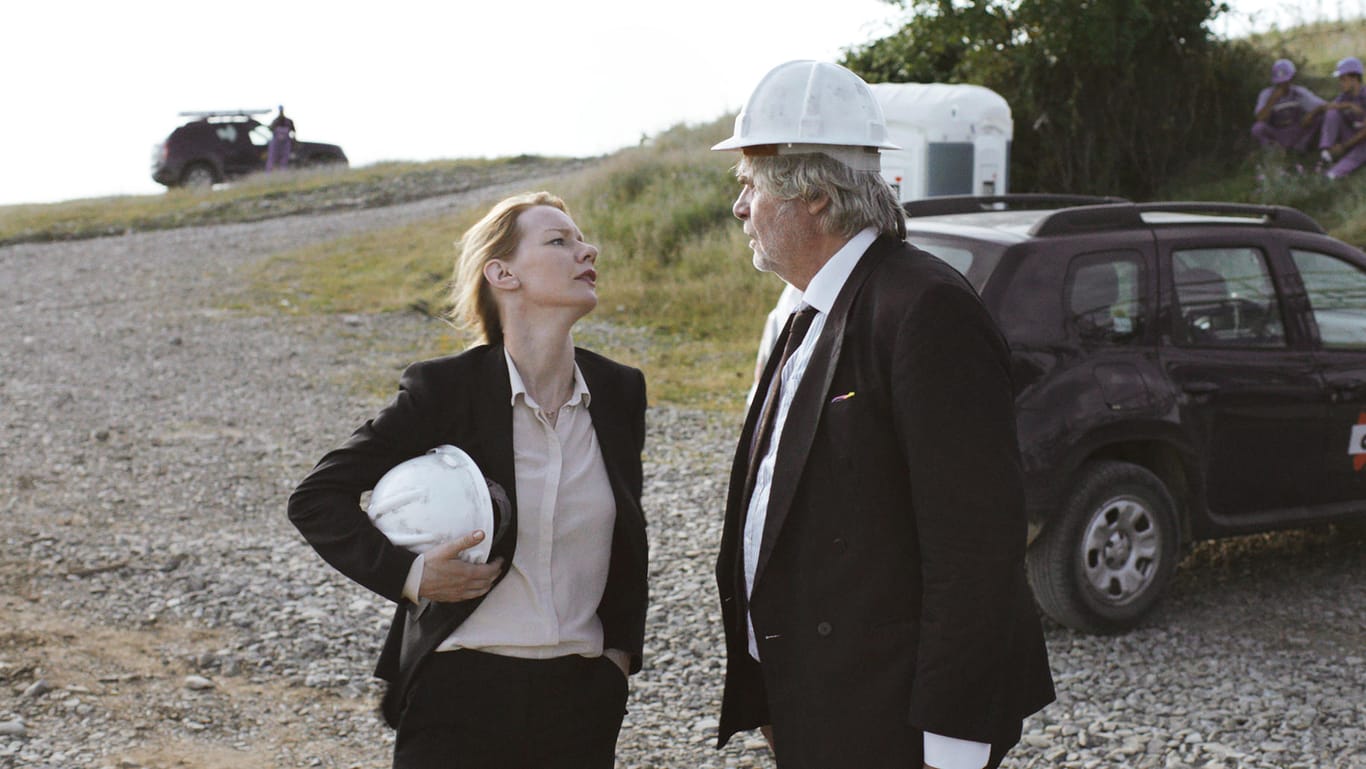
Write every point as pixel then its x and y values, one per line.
pixel 679 297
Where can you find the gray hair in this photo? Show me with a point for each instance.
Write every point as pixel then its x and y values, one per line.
pixel 858 199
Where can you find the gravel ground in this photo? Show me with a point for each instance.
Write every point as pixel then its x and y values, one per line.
pixel 159 610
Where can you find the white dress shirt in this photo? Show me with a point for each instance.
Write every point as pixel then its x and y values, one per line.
pixel 940 751
pixel 547 604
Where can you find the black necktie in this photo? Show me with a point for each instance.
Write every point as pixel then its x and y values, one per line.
pixel 797 326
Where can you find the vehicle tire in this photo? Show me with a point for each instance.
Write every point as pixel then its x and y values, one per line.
pixel 198 176
pixel 1103 563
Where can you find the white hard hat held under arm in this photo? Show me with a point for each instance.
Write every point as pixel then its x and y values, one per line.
pixel 436 498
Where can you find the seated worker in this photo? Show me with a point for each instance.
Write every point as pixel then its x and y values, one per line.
pixel 1287 115
pixel 1342 142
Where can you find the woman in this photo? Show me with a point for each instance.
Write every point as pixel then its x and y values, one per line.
pixel 522 661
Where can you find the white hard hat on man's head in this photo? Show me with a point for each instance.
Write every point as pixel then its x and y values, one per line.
pixel 805 107
pixel 438 497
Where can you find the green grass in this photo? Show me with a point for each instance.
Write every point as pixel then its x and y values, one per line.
pixel 674 271
pixel 679 297
pixel 261 196
pixel 1290 179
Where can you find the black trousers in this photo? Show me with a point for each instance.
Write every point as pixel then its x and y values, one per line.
pixel 472 710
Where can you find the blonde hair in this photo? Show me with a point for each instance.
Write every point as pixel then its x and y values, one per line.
pixel 493 237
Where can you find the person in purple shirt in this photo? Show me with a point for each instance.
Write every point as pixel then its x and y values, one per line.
pixel 281 141
pixel 1287 115
pixel 1342 142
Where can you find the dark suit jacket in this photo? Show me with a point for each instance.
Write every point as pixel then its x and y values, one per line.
pixel 890 594
pixel 465 400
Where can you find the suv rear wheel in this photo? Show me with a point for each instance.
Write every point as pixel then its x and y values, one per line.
pixel 198 176
pixel 1105 560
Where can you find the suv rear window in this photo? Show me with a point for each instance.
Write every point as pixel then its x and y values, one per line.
pixel 975 259
pixel 1105 302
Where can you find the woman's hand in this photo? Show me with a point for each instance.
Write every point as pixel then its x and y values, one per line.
pixel 619 658
pixel 447 579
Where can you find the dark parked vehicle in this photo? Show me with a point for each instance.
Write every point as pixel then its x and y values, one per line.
pixel 217 146
pixel 1183 371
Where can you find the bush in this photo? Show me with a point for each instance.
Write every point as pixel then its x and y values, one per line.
pixel 1107 97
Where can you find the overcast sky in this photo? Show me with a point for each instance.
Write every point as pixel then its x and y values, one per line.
pixel 91 87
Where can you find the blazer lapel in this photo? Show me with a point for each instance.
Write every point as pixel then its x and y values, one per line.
pixel 807 404
pixel 612 431
pixel 493 423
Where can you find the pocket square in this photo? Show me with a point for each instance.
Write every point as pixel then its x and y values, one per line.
pixel 843 397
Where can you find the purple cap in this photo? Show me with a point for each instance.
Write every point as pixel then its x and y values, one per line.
pixel 1348 66
pixel 1282 71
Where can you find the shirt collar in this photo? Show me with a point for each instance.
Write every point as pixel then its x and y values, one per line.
pixel 580 395
pixel 823 289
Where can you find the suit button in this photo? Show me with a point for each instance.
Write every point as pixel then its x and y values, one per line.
pixel 824 629
pixel 840 545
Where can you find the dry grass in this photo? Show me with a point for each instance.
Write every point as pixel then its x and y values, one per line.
pixel 261 196
pixel 678 295
pixel 677 292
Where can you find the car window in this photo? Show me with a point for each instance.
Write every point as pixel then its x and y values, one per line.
pixel 1225 298
pixel 1105 300
pixel 260 135
pixel 975 259
pixel 958 258
pixel 1337 297
pixel 227 133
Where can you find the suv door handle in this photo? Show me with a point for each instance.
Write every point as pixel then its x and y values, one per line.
pixel 1200 389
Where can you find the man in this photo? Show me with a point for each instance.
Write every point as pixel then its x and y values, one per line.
pixel 1342 144
pixel 281 141
pixel 871 565
pixel 1287 115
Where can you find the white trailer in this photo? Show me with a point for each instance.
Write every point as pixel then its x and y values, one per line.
pixel 954 139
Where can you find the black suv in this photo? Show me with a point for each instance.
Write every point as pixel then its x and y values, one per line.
pixel 1183 371
pixel 217 146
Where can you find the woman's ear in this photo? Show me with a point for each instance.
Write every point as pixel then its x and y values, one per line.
pixel 498 275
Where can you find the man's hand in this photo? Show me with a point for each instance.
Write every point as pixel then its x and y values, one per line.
pixel 447 579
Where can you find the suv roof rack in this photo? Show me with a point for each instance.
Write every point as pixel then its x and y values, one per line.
pixel 975 204
pixel 1094 218
pixel 1119 216
pixel 224 113
pixel 1272 216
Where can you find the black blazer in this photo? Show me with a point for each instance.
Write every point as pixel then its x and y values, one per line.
pixel 890 595
pixel 465 400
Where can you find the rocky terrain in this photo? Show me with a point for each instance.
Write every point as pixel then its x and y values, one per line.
pixel 157 610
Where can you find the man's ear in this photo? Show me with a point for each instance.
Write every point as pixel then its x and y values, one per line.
pixel 817 204
pixel 497 273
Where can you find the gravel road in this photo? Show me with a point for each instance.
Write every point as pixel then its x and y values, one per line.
pixel 157 609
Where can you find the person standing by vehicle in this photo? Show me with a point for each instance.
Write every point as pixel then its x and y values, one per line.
pixel 1287 115
pixel 523 661
pixel 281 141
pixel 871 567
pixel 1342 144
